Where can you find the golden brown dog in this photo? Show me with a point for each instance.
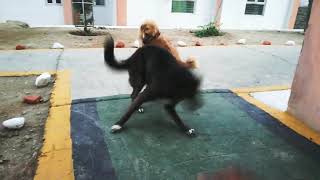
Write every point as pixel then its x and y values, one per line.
pixel 149 34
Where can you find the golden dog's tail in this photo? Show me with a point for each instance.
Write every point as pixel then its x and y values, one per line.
pixel 192 63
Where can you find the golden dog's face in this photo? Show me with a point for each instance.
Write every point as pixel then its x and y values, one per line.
pixel 148 31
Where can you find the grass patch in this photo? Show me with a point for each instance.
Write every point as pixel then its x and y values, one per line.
pixel 208 30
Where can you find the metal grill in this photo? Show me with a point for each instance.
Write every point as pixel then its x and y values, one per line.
pixel 255 7
pixel 180 6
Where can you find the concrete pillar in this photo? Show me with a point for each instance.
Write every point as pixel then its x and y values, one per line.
pixel 294 13
pixel 67 12
pixel 304 101
pixel 121 12
pixel 218 11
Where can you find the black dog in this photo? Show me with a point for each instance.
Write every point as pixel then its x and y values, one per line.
pixel 164 78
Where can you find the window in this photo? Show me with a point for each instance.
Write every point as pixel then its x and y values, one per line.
pixel 52 1
pixel 82 11
pixel 182 6
pixel 99 2
pixel 255 7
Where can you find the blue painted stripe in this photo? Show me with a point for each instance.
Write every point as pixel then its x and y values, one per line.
pixel 91 159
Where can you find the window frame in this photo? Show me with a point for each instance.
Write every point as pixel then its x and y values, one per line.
pixel 257 3
pixel 194 7
pixel 95 3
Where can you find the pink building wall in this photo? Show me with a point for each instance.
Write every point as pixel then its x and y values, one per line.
pixel 121 12
pixel 67 12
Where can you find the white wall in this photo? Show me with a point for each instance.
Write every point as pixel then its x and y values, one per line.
pixel 304 3
pixel 276 15
pixel 33 12
pixel 106 14
pixel 160 11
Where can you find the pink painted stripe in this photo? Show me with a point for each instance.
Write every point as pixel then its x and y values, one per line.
pixel 121 12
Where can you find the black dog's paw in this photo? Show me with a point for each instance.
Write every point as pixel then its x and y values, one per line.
pixel 191 133
pixel 116 128
pixel 140 110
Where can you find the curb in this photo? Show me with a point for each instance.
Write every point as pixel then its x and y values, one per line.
pixel 283 117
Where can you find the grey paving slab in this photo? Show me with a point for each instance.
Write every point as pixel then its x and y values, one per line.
pixel 228 67
pixel 29 60
pixel 286 53
pixel 90 76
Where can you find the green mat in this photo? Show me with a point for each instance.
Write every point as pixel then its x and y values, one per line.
pixel 153 147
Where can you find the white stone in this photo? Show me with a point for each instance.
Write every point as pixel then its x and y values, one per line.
pixel 181 44
pixel 43 80
pixel 242 41
pixel 57 45
pixel 136 44
pixel 14 123
pixel 290 43
pixel 275 99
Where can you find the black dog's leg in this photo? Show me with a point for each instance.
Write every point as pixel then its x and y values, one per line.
pixel 136 81
pixel 134 95
pixel 137 102
pixel 172 112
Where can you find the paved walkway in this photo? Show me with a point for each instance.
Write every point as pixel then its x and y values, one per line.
pixel 223 67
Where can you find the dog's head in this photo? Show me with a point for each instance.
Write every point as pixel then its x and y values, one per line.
pixel 148 31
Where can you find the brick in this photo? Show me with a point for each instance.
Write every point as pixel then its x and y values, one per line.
pixel 198 43
pixel 266 43
pixel 120 44
pixel 32 99
pixel 20 47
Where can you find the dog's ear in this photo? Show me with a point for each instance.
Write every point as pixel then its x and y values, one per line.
pixel 141 30
pixel 142 27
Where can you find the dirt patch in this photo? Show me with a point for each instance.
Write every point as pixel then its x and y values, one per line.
pixel 19 149
pixel 36 38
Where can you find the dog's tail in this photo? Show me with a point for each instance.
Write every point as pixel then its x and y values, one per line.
pixel 109 57
pixel 192 63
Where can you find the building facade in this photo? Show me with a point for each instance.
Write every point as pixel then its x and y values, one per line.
pixel 239 14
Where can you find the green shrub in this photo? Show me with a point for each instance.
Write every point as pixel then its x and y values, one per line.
pixel 208 30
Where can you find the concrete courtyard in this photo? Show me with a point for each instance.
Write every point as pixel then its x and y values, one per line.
pixel 236 129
